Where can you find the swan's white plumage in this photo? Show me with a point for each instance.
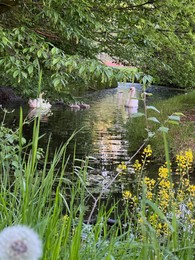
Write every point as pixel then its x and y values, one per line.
pixel 39 103
pixel 132 100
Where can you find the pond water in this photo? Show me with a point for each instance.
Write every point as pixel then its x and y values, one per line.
pixel 102 128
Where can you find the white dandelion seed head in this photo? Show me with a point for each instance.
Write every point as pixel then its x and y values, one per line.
pixel 20 243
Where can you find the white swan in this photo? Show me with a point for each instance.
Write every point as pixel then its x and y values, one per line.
pixel 132 100
pixel 39 103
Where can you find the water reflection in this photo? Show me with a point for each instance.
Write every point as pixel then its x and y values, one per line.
pixel 102 126
pixel 36 112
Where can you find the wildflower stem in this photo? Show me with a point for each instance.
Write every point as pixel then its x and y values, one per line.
pixel 167 156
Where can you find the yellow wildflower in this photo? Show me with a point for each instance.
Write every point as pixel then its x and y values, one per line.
pixel 163 172
pixel 122 167
pixel 184 161
pixel 190 205
pixel 127 195
pixel 147 151
pixel 149 195
pixel 153 219
pixel 191 189
pixel 137 166
pixel 150 183
pixel 165 184
pixel 189 156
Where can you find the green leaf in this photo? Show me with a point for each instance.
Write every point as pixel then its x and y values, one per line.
pixel 153 108
pixel 139 114
pixel 15 164
pixel 151 134
pixel 5 40
pixel 56 82
pixel 24 74
pixel 55 61
pixel 30 69
pixel 154 119
pixel 178 114
pixel 39 53
pixel 175 118
pixel 163 129
pixel 173 122
pixel 15 74
pixel 53 51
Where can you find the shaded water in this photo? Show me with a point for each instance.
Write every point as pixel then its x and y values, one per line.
pixel 102 131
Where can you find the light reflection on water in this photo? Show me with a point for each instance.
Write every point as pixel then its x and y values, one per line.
pixel 102 127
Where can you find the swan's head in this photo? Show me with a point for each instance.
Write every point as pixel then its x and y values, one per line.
pixel 132 90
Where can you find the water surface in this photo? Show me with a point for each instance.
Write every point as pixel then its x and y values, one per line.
pixel 102 127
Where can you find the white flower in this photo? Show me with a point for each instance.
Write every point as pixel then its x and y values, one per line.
pixel 20 243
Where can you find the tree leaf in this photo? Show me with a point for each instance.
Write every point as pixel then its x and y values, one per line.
pixel 30 69
pixel 163 129
pixel 173 122
pixel 138 114
pixel 15 74
pixel 153 108
pixel 175 118
pixel 154 119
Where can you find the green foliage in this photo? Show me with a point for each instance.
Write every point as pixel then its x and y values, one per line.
pixel 64 38
pixel 44 196
pixel 178 126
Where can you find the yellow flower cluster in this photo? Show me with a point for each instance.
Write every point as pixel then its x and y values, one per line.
pixel 129 198
pixel 191 190
pixel 137 166
pixel 150 183
pixel 147 151
pixel 184 161
pixel 121 167
pixel 161 228
pixel 163 172
pixel 127 195
pixel 163 192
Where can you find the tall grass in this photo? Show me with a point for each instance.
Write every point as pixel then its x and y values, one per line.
pixel 42 197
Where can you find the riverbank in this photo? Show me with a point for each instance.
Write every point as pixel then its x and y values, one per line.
pixel 181 134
